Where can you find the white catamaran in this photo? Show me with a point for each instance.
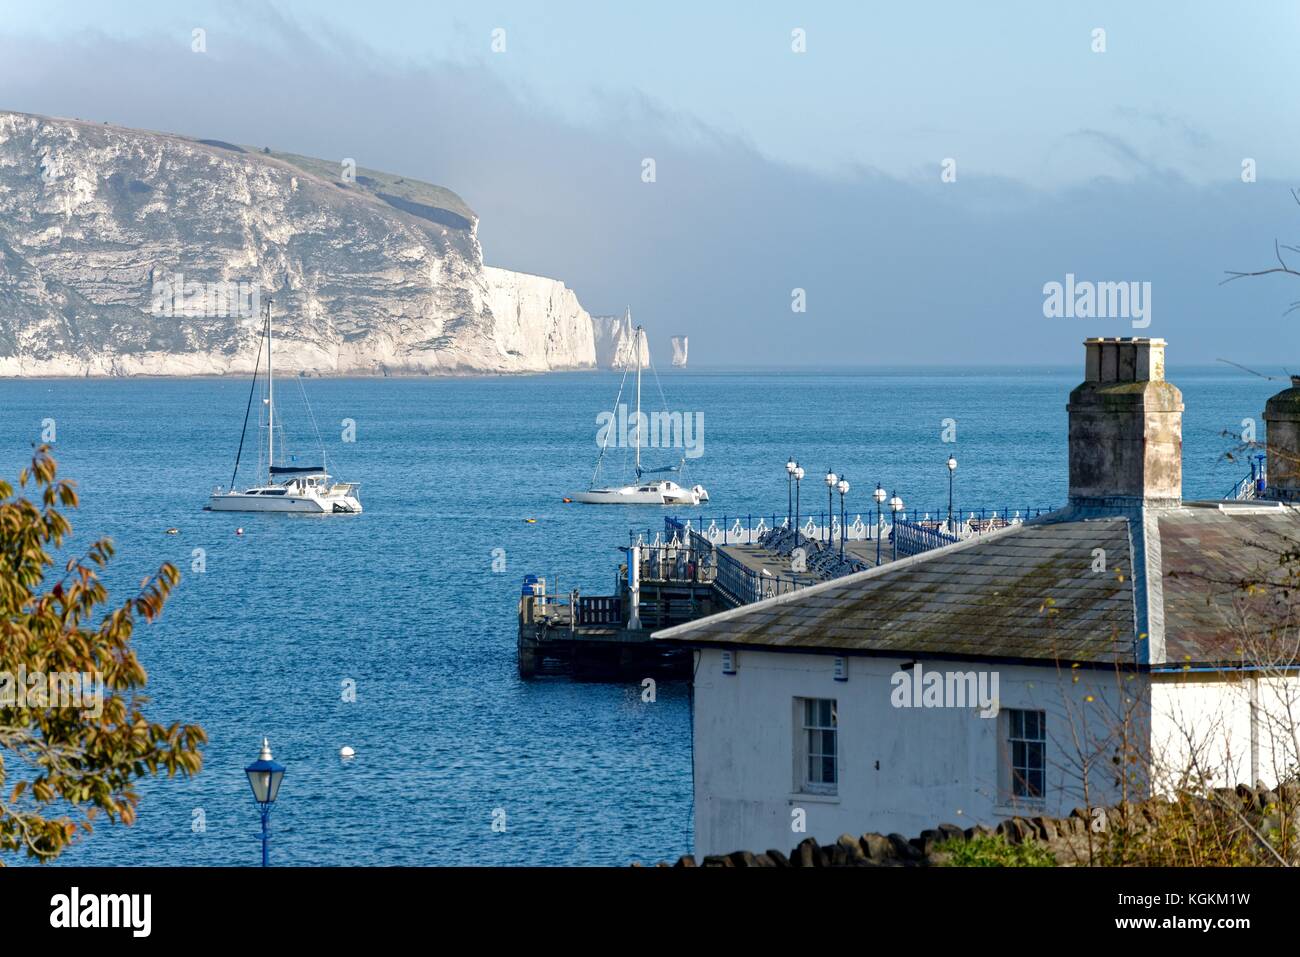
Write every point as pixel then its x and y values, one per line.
pixel 642 491
pixel 288 488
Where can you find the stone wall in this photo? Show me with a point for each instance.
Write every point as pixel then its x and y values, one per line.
pixel 1079 839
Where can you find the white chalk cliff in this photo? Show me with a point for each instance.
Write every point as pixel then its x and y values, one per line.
pixel 370 273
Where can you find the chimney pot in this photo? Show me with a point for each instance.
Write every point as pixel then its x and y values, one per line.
pixel 1109 362
pixel 1092 360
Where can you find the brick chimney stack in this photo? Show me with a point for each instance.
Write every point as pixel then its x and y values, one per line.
pixel 1126 428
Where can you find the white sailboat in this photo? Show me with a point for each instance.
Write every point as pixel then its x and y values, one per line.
pixel 642 491
pixel 680 344
pixel 288 488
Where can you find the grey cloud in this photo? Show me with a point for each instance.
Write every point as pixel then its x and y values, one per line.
pixel 899 271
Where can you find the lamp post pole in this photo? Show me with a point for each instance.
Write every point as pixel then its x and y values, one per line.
pixel 895 506
pixel 266 835
pixel 831 479
pixel 798 477
pixel 790 466
pixel 264 776
pixel 952 470
pixel 879 496
pixel 844 490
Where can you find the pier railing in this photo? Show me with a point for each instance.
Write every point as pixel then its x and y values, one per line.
pixel 1251 486
pixel 599 610
pixel 748 529
pixel 675 559
pixel 744 585
pixel 688 548
pixel 567 609
pixel 683 553
pixel 913 538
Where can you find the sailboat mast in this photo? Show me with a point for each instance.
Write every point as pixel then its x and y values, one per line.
pixel 270 402
pixel 639 334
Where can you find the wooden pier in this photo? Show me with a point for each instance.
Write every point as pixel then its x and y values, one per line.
pixel 588 638
pixel 682 576
pixel 688 571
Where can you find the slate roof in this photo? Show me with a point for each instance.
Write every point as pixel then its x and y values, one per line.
pixel 1170 592
pixel 1207 552
pixel 1028 591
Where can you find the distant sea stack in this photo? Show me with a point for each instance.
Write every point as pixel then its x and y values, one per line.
pixel 616 342
pixel 125 252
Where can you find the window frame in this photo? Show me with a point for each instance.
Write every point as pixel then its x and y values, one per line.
pixel 805 751
pixel 1019 774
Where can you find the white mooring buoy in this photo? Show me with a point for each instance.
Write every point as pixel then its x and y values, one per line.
pixel 346 752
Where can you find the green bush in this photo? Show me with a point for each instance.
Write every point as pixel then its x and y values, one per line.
pixel 994 851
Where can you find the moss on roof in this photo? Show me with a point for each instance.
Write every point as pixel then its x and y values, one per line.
pixel 1029 592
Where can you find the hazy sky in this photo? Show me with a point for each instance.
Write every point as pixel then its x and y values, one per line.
pixel 775 170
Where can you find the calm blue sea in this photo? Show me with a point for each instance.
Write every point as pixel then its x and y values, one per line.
pixel 404 601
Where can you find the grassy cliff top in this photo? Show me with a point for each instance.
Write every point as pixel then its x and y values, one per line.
pixel 385 185
pixel 415 197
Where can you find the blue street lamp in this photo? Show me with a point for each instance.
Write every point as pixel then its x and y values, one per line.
pixel 843 487
pixel 264 775
pixel 879 495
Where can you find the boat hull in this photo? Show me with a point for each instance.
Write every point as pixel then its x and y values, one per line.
pixel 300 504
pixel 633 495
pixel 601 496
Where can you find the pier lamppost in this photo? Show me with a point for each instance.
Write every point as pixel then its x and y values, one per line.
pixel 790 466
pixel 798 477
pixel 831 479
pixel 952 470
pixel 880 496
pixel 843 487
pixel 265 775
pixel 895 506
